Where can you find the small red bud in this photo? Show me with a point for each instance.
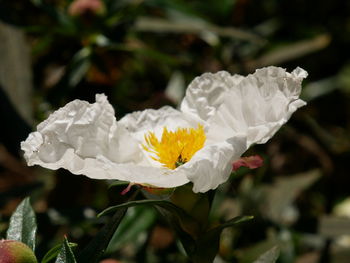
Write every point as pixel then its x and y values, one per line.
pixel 12 251
pixel 81 7
pixel 252 162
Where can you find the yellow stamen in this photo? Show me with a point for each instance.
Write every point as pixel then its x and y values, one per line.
pixel 175 147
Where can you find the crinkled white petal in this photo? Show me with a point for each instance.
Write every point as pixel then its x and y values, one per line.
pixel 208 168
pixel 255 106
pixel 86 139
pixel 103 168
pixel 207 92
pixel 141 174
pixel 212 165
pixel 140 122
pixel 75 135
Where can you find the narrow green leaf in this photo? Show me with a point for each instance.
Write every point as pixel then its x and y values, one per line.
pixel 79 66
pixel 23 224
pixel 185 220
pixel 207 245
pixel 195 204
pixel 235 221
pixel 53 252
pixel 269 256
pixel 66 254
pixel 206 248
pixel 161 203
pixel 186 238
pixel 95 249
pixel 135 222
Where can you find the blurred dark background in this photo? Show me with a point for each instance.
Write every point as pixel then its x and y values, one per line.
pixel 143 54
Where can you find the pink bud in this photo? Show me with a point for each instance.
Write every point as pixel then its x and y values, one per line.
pixel 12 251
pixel 252 162
pixel 81 7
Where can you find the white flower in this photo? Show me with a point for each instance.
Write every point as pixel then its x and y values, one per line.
pixel 220 117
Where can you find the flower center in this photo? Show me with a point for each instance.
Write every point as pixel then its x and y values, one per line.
pixel 175 147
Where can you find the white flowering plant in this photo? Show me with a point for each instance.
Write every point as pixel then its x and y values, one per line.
pixel 186 152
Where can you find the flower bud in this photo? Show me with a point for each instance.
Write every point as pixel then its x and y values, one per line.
pixel 12 251
pixel 83 7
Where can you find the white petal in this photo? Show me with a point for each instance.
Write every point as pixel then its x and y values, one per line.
pixel 102 168
pixel 140 122
pixel 75 135
pixel 135 173
pixel 207 92
pixel 212 165
pixel 255 106
pixel 86 139
pixel 208 168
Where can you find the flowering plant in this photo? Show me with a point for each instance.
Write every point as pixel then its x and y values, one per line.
pixel 220 117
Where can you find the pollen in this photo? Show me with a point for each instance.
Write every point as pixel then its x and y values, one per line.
pixel 175 147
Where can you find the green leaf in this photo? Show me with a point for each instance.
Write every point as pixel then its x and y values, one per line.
pixel 136 221
pixel 185 220
pixel 66 254
pixel 93 251
pixel 79 66
pixel 269 256
pixel 197 205
pixel 53 252
pixel 232 222
pixel 207 246
pixel 23 224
